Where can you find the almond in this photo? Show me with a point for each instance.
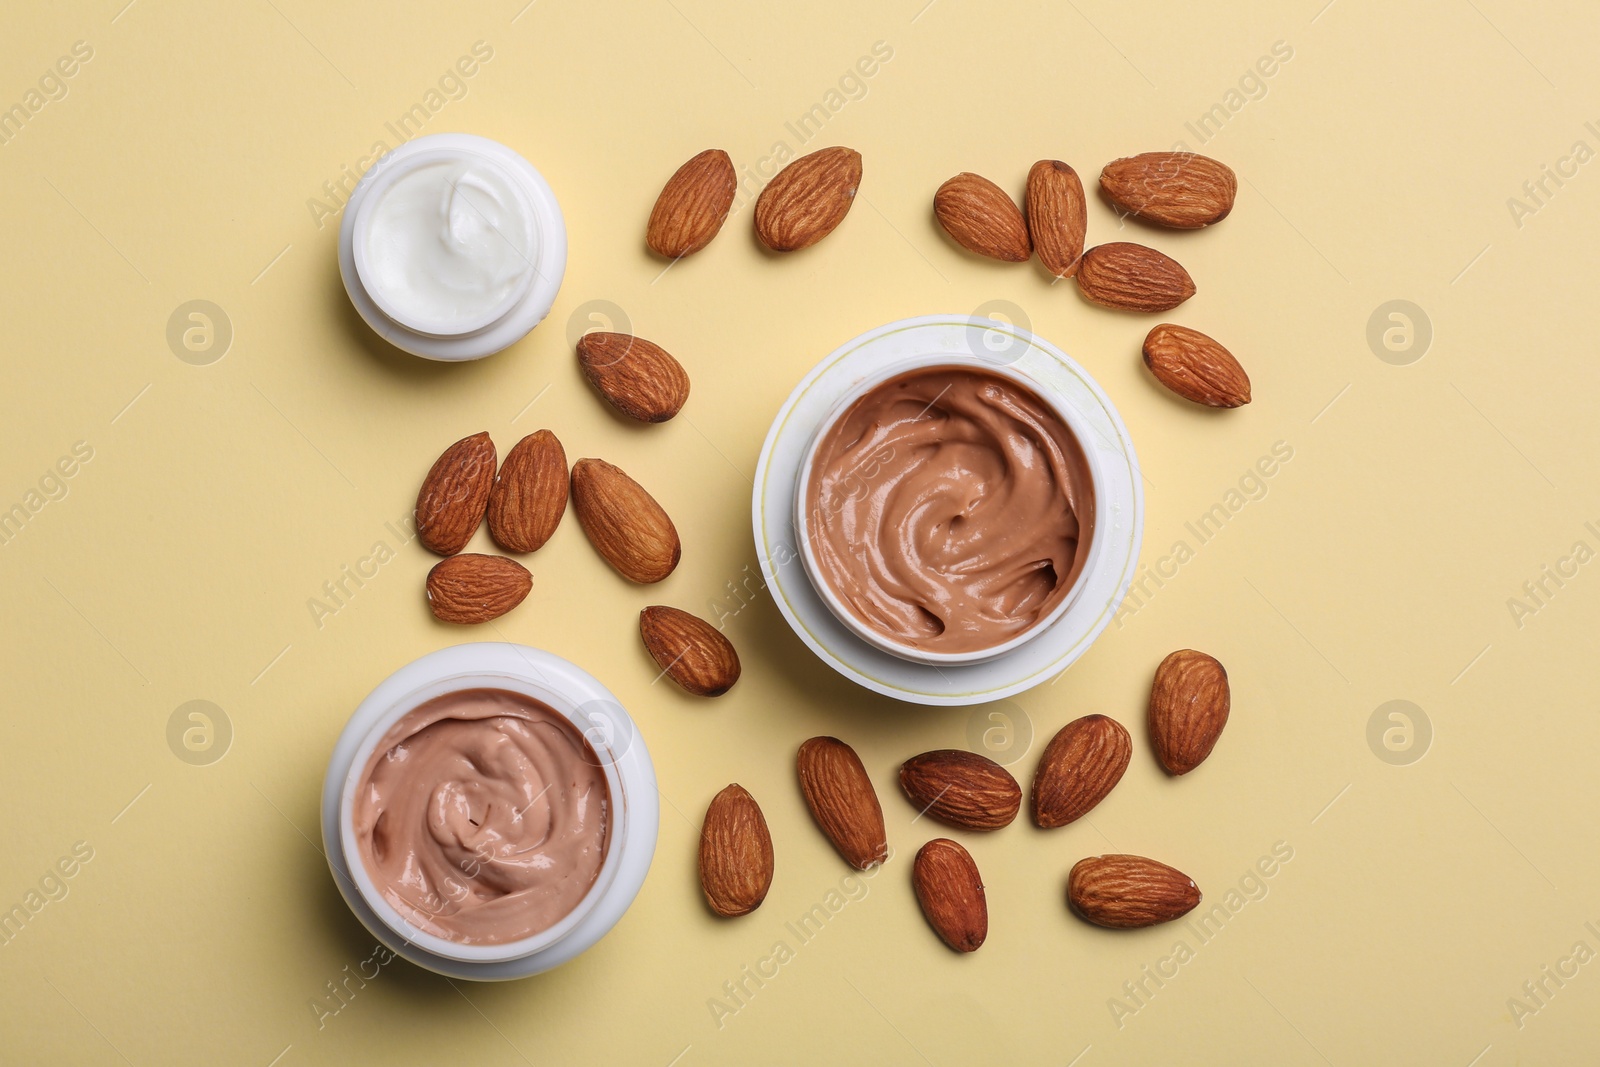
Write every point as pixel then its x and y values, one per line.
pixel 961 788
pixel 842 800
pixel 692 205
pixel 454 494
pixel 624 523
pixel 735 853
pixel 950 891
pixel 637 377
pixel 982 218
pixel 1132 277
pixel 807 199
pixel 1178 189
pixel 1124 892
pixel 691 650
pixel 530 493
pixel 1081 765
pixel 1189 704
pixel 1058 216
pixel 471 588
pixel 1196 367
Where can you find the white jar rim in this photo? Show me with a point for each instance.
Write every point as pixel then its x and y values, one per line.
pixel 592 710
pixel 1057 406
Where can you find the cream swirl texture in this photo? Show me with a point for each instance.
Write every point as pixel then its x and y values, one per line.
pixel 482 817
pixel 449 243
pixel 949 509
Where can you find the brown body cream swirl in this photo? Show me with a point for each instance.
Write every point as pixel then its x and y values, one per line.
pixel 949 509
pixel 482 817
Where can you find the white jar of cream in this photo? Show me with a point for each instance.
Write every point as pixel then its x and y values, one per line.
pixel 452 247
pixel 490 811
pixel 1065 624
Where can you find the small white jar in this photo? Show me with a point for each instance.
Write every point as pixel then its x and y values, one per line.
pixel 1038 654
pixel 592 710
pixel 1091 545
pixel 452 247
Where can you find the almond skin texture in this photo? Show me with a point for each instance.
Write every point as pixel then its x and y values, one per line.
pixel 1058 216
pixel 1177 189
pixel 842 800
pixel 950 891
pixel 735 853
pixel 1189 704
pixel 1196 367
pixel 637 377
pixel 1130 277
pixel 1127 892
pixel 692 206
pixel 962 789
pixel 455 493
pixel 530 493
pixel 692 651
pixel 471 588
pixel 624 523
pixel 1082 763
pixel 982 218
pixel 807 199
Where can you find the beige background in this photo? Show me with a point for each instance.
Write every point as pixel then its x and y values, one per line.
pixel 1376 164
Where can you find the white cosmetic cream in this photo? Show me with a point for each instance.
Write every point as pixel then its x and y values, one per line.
pixel 452 247
pixel 449 245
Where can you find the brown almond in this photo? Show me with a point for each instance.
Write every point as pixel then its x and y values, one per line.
pixel 637 377
pixel 624 523
pixel 693 652
pixel 1058 216
pixel 1189 704
pixel 950 891
pixel 1178 189
pixel 805 200
pixel 472 588
pixel 1082 763
pixel 735 853
pixel 842 801
pixel 451 503
pixel 1131 277
pixel 1126 892
pixel 1196 367
pixel 962 789
pixel 982 218
pixel 692 206
pixel 530 493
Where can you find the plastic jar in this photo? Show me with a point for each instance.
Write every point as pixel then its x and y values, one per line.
pixel 573 693
pixel 829 628
pixel 452 247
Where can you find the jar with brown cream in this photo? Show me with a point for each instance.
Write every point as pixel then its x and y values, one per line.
pixel 947 512
pixel 490 811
